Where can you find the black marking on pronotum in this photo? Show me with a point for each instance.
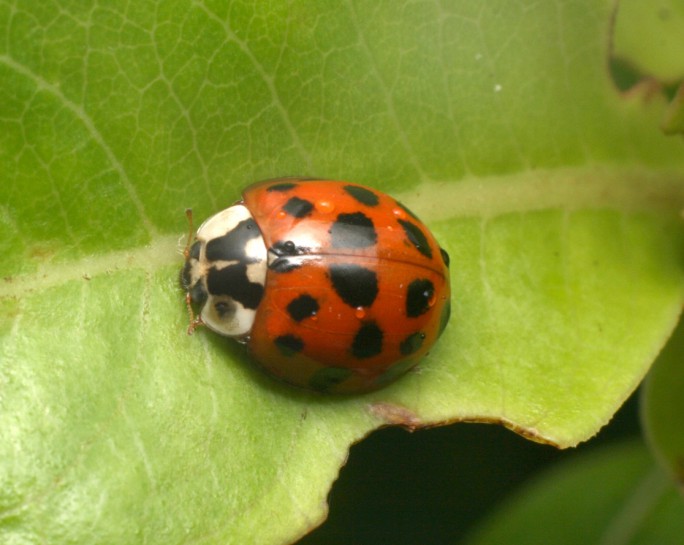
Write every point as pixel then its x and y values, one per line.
pixel 231 246
pixel 194 252
pixel 281 187
pixel 356 285
pixel 302 307
pixel 328 377
pixel 225 309
pixel 353 231
pixel 445 256
pixel 186 275
pixel 362 195
pixel 299 208
pixel 412 343
pixel 233 282
pixel 418 296
pixel 407 210
pixel 289 344
pixel 417 238
pixel 186 272
pixel 198 294
pixel 368 341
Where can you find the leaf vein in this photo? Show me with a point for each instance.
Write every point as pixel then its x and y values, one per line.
pixel 80 113
pixel 269 82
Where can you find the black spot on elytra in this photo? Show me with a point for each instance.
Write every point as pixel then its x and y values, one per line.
pixel 417 238
pixel 418 297
pixel 284 265
pixel 283 250
pixel 368 341
pixel 281 187
pixel 353 231
pixel 393 373
pixel 289 345
pixel 407 210
pixel 232 281
pixel 444 318
pixel 356 285
pixel 299 208
pixel 231 246
pixel 445 256
pixel 302 307
pixel 412 343
pixel 326 378
pixel 362 195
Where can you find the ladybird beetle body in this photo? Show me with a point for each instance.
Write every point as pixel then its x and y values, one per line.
pixel 334 286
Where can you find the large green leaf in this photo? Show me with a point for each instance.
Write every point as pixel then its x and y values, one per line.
pixel 497 122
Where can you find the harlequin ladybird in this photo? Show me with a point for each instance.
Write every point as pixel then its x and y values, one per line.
pixel 333 286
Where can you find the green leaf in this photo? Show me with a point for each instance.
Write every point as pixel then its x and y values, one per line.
pixel 614 495
pixel 557 198
pixel 663 407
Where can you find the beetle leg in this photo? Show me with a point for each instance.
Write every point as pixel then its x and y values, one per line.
pixel 195 321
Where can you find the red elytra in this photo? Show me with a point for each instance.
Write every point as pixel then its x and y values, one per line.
pixel 379 279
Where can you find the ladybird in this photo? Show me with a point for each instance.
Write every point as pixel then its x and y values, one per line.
pixel 333 286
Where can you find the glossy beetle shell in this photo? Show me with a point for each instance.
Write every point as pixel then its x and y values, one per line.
pixel 357 288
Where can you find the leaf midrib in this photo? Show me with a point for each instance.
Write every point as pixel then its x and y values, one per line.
pixel 628 189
